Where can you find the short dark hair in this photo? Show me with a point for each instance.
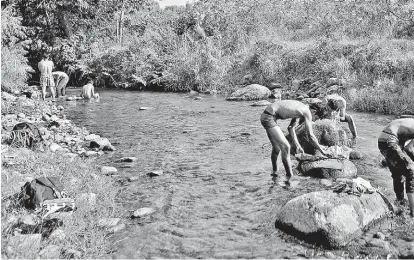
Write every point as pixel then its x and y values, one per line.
pixel 45 55
pixel 320 109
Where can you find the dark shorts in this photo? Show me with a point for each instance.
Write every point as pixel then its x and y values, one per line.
pixel 397 160
pixel 267 120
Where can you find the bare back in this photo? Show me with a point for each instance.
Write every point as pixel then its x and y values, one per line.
pixel 402 128
pixel 88 91
pixel 45 67
pixel 285 109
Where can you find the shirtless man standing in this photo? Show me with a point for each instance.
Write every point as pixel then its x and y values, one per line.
pixel 46 79
pixel 391 144
pixel 61 80
pixel 299 113
pixel 338 104
pixel 88 91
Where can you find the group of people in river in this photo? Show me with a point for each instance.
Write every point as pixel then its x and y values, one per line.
pixel 56 81
pixel 395 142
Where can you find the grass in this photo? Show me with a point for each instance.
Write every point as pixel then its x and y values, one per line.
pixel 78 176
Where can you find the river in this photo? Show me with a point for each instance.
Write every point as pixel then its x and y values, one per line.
pixel 216 198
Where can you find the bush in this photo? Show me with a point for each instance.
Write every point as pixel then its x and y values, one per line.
pixel 14 66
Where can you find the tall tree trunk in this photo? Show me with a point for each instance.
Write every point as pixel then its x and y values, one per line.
pixel 63 23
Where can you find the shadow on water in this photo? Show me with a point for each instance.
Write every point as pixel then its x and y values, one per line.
pixel 216 198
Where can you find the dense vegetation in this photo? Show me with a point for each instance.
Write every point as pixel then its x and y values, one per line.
pixel 213 44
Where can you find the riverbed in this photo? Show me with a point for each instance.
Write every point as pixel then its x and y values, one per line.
pixel 216 198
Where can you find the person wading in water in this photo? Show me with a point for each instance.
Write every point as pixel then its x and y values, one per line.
pixel 391 143
pixel 299 113
pixel 46 79
pixel 338 104
pixel 88 91
pixel 61 80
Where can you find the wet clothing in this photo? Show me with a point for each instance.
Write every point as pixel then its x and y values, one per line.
pixel 47 81
pixel 398 161
pixel 268 120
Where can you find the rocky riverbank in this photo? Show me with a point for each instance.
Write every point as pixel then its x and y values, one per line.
pixel 38 141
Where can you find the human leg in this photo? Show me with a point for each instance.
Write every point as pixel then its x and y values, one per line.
pixel 278 139
pixel 351 124
pixel 275 154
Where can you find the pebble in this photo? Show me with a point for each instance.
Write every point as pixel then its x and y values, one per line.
pixel 21 115
pixel 198 98
pixel 155 173
pixel 108 222
pixel 355 155
pixel 142 212
pixel 144 108
pixel 379 235
pixel 91 153
pixel 108 170
pixel 128 159
pixel 54 147
pixel 326 182
pixel 58 234
pixel 92 137
pixel 330 255
pixel 60 108
pixel 28 219
pixel 117 228
pixel 50 252
pixel 133 178
pixel 86 198
pixel 70 99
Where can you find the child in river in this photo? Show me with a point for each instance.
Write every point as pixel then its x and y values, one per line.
pixel 88 91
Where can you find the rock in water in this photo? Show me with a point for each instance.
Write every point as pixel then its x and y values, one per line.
pixel 102 144
pixel 329 218
pixel 327 132
pixel 108 170
pixel 328 168
pixel 261 103
pixel 250 92
pixel 142 212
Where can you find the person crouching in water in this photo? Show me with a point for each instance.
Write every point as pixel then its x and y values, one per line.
pixel 88 91
pixel 299 113
pixel 61 79
pixel 391 143
pixel 338 104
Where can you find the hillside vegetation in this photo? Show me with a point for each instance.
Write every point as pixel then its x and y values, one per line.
pixel 212 45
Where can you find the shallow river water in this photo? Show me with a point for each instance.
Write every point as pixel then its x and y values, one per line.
pixel 216 198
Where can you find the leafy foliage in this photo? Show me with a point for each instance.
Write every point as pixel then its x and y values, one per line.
pixel 14 67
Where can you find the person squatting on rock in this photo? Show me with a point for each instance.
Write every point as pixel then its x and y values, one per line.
pixel 391 144
pixel 46 79
pixel 299 113
pixel 88 91
pixel 61 79
pixel 338 104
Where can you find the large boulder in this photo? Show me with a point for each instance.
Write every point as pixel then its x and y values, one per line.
pixel 330 219
pixel 328 133
pixel 250 92
pixel 328 168
pixel 102 144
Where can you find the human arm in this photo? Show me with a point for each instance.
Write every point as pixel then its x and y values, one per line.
pixel 292 132
pixel 312 137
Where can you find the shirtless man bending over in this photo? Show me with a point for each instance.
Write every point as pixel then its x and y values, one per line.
pixel 61 80
pixel 88 91
pixel 391 144
pixel 299 113
pixel 338 104
pixel 46 79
